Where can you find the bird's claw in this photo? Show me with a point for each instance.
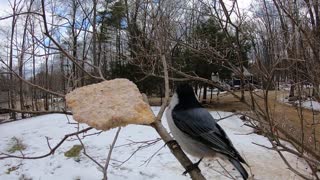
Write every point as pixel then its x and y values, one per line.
pixel 192 167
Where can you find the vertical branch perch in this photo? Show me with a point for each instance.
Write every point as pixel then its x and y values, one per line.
pixel 105 169
pixel 166 85
pixel 177 151
pixel 172 144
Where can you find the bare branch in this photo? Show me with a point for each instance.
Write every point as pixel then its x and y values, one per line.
pixel 105 169
pixel 51 152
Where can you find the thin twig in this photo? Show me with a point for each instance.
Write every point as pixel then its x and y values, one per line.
pixel 105 169
pixel 86 154
pixel 225 170
pixel 51 152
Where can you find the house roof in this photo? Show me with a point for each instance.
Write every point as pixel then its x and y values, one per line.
pixel 246 73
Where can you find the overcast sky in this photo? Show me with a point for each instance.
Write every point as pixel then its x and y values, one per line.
pixel 4 7
pixel 244 4
pixel 5 10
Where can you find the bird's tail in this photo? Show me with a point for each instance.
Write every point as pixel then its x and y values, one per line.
pixel 240 168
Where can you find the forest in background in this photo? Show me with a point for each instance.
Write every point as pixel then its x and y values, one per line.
pixel 52 47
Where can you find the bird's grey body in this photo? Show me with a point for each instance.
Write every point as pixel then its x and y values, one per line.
pixel 191 146
pixel 197 132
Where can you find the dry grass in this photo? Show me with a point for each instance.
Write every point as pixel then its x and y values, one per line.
pixel 278 110
pixel 155 101
pixel 286 117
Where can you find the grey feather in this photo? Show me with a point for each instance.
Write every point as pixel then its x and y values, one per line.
pixel 200 125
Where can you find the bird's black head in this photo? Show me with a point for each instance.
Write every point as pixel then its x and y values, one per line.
pixel 186 96
pixel 184 90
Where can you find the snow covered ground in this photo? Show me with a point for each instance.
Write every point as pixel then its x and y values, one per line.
pixel 264 164
pixel 311 105
pixel 308 104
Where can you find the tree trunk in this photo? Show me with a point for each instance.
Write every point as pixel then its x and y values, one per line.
pixel 204 97
pixel 96 61
pixel 21 58
pixel 46 103
pixel 12 98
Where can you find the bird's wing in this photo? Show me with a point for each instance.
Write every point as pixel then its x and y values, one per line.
pixel 200 125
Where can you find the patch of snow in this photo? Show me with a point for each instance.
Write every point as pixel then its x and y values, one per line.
pixel 308 104
pixel 264 164
pixel 214 91
pixel 311 105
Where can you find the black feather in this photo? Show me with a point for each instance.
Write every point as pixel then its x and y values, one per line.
pixel 240 168
pixel 187 98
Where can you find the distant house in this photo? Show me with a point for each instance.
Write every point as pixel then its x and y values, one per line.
pixel 236 78
pixel 215 77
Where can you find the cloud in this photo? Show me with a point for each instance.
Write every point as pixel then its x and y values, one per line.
pixel 5 10
pixel 4 7
pixel 244 4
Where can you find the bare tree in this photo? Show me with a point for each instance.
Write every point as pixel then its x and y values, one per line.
pixel 168 40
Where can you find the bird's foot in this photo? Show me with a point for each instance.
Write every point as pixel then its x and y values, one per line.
pixel 170 142
pixel 192 167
